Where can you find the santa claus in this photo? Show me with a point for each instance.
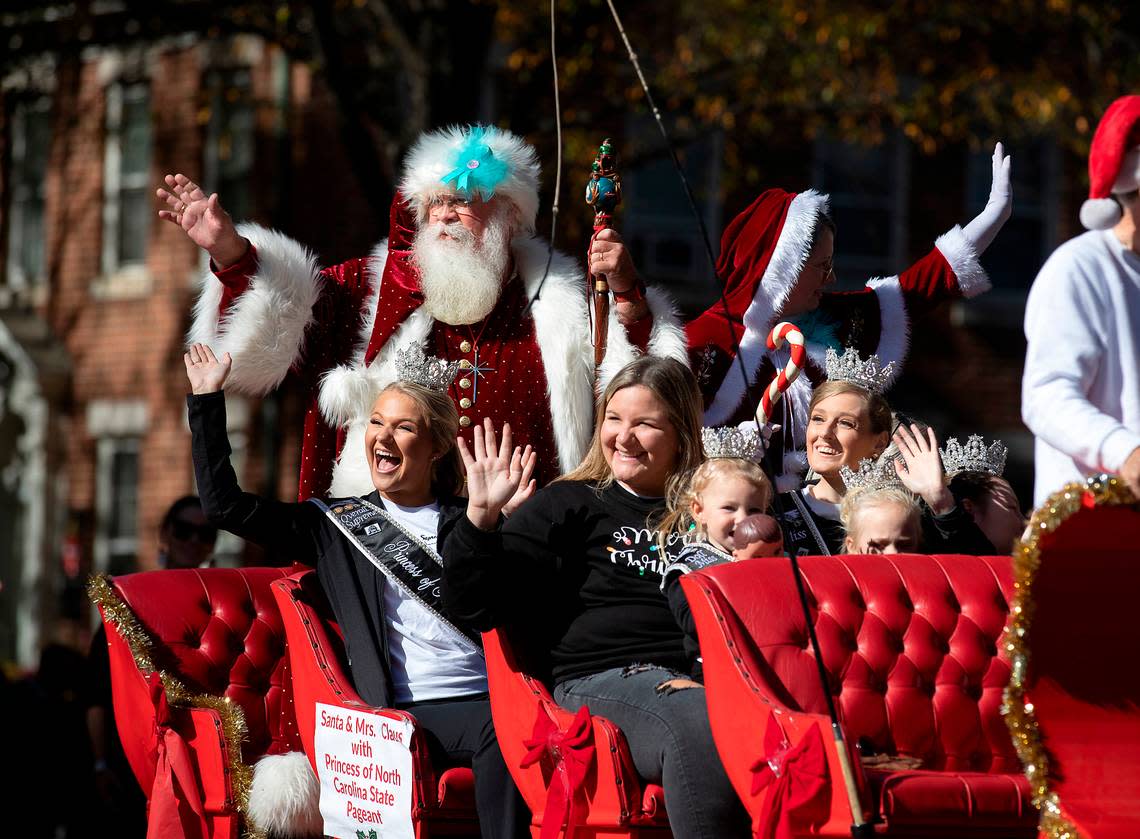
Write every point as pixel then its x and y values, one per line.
pixel 459 274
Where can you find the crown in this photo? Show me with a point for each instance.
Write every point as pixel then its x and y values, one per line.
pixel 868 374
pixel 975 456
pixel 873 473
pixel 730 441
pixel 415 366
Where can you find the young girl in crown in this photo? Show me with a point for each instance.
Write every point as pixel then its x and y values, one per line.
pixel 720 511
pixel 377 557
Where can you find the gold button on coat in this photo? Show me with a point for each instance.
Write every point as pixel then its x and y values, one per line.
pixel 465 346
pixel 464 364
pixel 465 421
pixel 465 382
pixel 464 402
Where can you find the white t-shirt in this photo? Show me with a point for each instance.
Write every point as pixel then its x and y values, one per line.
pixel 426 659
pixel 1080 394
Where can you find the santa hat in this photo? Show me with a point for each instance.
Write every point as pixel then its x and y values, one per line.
pixel 1114 163
pixel 764 249
pixel 474 161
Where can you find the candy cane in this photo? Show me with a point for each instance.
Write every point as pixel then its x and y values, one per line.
pixel 784 331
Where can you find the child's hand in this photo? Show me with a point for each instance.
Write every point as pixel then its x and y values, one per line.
pixel 920 468
pixel 759 535
pixel 205 372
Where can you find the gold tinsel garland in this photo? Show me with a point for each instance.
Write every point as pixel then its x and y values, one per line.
pixel 119 615
pixel 1018 712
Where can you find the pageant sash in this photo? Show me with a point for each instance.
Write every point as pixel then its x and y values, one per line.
pixel 694 558
pixel 407 561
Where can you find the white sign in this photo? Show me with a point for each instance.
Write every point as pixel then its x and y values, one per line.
pixel 364 762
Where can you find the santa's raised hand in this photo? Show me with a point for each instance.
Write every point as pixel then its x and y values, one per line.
pixel 203 219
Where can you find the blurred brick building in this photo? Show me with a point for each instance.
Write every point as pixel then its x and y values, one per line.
pixel 95 295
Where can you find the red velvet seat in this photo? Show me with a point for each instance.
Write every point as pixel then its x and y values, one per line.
pixel 442 805
pixel 215 634
pixel 1076 714
pixel 911 648
pixel 611 801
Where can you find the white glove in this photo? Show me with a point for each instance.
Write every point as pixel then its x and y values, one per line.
pixel 766 432
pixel 982 229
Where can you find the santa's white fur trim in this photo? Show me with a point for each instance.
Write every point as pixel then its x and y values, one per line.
pixel 960 252
pixel 788 258
pixel 264 329
pixel 284 797
pixel 434 155
pixel 562 331
pixel 1100 213
pixel 352 473
pixel 348 391
pixel 894 324
pixel 666 337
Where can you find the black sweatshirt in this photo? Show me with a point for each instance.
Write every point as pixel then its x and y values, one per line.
pixel 584 564
pixel 303 533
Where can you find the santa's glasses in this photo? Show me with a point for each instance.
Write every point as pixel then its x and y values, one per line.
pixel 442 204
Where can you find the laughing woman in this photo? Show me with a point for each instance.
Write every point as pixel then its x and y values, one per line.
pixel 584 554
pixel 405 650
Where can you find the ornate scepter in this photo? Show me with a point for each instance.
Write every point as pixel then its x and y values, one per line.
pixel 603 193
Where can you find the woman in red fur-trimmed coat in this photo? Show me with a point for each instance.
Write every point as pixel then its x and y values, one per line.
pixel 776 263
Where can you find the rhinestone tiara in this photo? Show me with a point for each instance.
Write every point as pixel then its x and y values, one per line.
pixel 731 441
pixel 873 473
pixel 850 367
pixel 415 366
pixel 975 456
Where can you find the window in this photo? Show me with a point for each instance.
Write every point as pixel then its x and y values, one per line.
pixel 116 513
pixel 868 191
pixel 228 166
pixel 30 144
pixel 117 426
pixel 127 205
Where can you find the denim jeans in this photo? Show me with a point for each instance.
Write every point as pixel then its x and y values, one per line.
pixel 671 743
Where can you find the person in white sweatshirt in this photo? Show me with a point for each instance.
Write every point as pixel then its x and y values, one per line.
pixel 1080 394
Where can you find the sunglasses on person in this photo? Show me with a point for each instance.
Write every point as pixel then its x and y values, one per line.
pixel 184 531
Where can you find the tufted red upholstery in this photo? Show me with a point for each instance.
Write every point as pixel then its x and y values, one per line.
pixel 443 804
pixel 615 803
pixel 219 632
pixel 911 647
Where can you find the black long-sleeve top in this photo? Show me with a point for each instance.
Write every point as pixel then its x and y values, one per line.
pixel 303 533
pixel 585 564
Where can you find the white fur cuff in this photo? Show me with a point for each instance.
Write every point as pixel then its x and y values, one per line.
pixel 284 798
pixel 264 329
pixel 963 258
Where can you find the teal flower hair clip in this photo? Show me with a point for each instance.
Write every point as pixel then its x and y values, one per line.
pixel 477 171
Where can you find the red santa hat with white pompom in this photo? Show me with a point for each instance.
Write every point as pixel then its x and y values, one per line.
pixel 1114 163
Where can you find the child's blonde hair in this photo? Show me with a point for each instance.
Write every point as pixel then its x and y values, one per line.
pixel 679 516
pixel 857 500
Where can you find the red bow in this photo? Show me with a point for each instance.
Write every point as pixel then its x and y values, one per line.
pixel 175 807
pixel 572 752
pixel 801 785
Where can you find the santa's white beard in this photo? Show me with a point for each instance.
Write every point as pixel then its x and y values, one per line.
pixel 461 278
